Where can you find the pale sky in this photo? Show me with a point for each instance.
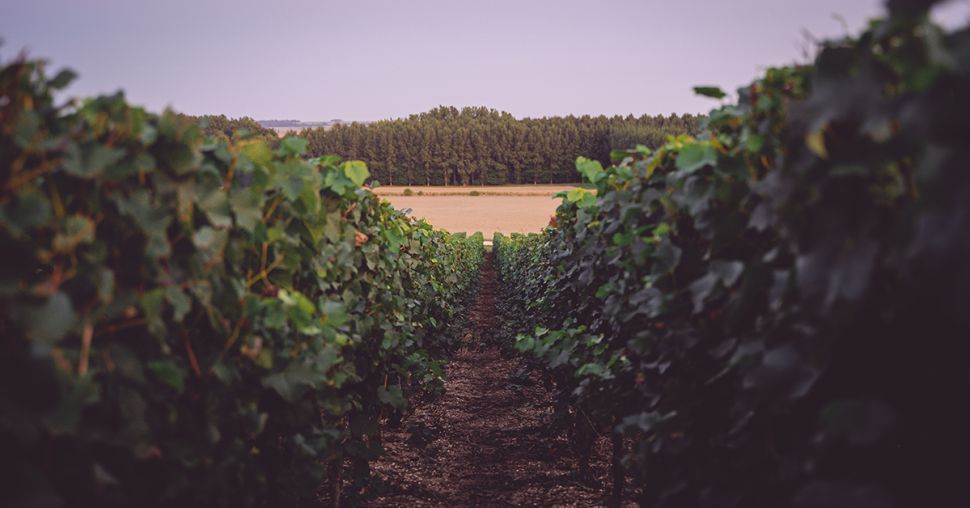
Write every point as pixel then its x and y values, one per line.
pixel 374 59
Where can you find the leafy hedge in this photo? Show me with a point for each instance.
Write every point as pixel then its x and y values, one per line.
pixel 188 321
pixel 774 313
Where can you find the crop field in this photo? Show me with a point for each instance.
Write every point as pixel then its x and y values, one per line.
pixel 474 190
pixel 488 214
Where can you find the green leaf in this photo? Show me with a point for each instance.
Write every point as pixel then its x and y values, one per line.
pixel 153 220
pixel 356 171
pixel 293 176
pixel 293 382
pixel 168 373
pixel 257 151
pixel 604 290
pixel 582 197
pixel 695 156
pixel 617 155
pixel 710 91
pixel 754 142
pixel 247 206
pixel 667 257
pixel 215 204
pixel 91 160
pixel 180 158
pixel 210 242
pixel 334 313
pixel 181 303
pixel 152 305
pixel 338 182
pixel 593 370
pixel 75 396
pixel 727 271
pixel 77 229
pixel 49 323
pixel 524 343
pixel 300 311
pixel 62 79
pixel 293 146
pixel 592 170
pixel 391 396
pixel 28 208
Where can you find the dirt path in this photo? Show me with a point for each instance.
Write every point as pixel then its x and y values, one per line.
pixel 485 442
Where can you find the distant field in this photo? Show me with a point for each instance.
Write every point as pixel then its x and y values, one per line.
pixel 511 213
pixel 488 190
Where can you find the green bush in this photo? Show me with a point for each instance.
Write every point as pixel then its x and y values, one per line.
pixel 198 321
pixel 772 313
pixel 474 193
pixel 408 191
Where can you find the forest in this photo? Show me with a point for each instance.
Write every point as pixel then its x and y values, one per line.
pixel 482 146
pixel 472 145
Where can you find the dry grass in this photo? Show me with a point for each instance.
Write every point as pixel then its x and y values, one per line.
pixel 510 213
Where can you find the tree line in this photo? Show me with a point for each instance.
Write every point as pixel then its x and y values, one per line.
pixel 482 146
pixel 471 145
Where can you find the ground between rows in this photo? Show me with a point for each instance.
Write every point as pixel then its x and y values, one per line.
pixel 488 440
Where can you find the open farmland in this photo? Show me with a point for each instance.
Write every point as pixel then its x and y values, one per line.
pixel 465 190
pixel 489 214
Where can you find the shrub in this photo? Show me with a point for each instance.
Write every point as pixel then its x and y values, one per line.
pixel 773 313
pixel 199 321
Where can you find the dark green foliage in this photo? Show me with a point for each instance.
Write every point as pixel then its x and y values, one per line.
pixel 774 313
pixel 481 146
pixel 222 127
pixel 195 321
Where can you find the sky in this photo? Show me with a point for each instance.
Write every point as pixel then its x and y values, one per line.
pixel 377 59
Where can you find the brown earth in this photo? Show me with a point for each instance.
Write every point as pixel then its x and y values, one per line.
pixel 487 440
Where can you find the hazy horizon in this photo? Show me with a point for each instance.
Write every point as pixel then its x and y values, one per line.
pixel 378 59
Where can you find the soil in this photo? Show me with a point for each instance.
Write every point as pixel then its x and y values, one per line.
pixel 488 440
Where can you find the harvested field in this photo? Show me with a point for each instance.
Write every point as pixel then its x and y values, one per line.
pixel 488 190
pixel 488 214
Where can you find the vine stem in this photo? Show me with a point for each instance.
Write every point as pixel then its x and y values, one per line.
pixel 229 174
pixel 86 337
pixel 264 273
pixel 121 326
pixel 229 341
pixel 590 422
pixel 272 207
pixel 193 361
